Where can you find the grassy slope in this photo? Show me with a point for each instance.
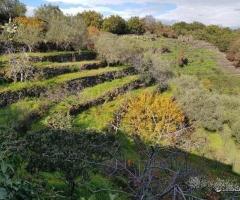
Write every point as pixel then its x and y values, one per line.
pixel 99 117
pixel 71 65
pixel 15 113
pixel 59 79
pixel 221 145
pixel 86 95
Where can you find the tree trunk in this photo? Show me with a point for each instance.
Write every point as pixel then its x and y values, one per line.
pixel 21 77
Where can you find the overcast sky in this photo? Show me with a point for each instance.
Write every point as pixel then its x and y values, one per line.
pixel 221 12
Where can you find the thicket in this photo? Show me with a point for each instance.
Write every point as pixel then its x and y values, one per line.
pixel 220 37
pixel 20 67
pixel 11 9
pixel 11 186
pixel 205 108
pixel 76 155
pixel 147 62
pixel 200 106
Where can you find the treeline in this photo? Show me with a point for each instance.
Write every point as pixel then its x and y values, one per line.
pixel 49 28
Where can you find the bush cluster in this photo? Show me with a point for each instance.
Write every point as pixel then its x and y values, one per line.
pixel 148 63
pixel 199 105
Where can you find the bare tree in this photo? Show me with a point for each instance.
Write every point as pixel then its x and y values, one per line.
pixel 21 67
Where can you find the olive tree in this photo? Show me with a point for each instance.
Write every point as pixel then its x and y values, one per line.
pixel 115 24
pixel 92 18
pixel 28 35
pixel 135 25
pixel 11 9
pixel 66 32
pixel 115 49
pixel 21 68
pixel 46 12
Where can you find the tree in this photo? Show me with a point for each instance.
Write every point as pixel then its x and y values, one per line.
pixel 11 9
pixel 29 31
pixel 135 26
pixel 92 18
pixel 114 49
pixel 66 32
pixel 46 12
pixel 115 24
pixel 20 67
pixel 151 25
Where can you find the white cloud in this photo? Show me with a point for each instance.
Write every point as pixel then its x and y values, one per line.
pixel 219 12
pixel 30 11
pixel 222 12
pixel 127 13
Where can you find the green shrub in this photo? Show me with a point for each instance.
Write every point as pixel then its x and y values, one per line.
pixel 115 49
pixel 135 26
pixel 115 24
pixel 11 9
pixel 200 106
pixel 12 187
pixel 236 130
pixel 59 121
pixel 92 18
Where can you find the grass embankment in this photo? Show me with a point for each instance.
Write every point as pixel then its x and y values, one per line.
pixel 71 65
pixel 204 64
pixel 88 94
pixel 98 118
pixel 59 79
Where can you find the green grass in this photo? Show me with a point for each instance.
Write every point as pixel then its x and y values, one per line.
pixel 71 65
pixel 87 94
pixel 99 117
pixel 58 79
pixel 17 112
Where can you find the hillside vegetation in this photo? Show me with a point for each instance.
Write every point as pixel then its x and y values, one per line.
pixel 105 109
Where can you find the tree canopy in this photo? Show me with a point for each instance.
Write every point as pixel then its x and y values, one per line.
pixel 11 9
pixel 135 25
pixel 92 18
pixel 115 24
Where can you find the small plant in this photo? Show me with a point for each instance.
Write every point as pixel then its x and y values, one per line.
pixel 60 121
pixel 12 188
pixel 182 60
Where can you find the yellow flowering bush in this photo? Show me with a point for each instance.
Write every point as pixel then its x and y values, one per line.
pixel 153 117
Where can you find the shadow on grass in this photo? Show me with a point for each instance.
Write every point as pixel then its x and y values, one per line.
pixel 87 163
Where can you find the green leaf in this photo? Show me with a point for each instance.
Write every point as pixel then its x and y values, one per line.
pixel 3 193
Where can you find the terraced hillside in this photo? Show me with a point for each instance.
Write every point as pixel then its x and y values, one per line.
pixel 79 93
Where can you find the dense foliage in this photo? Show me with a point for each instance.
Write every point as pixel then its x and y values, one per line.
pixel 11 9
pixel 115 24
pixel 74 128
pixel 199 105
pixel 135 26
pixel 74 154
pixel 92 19
pixel 153 118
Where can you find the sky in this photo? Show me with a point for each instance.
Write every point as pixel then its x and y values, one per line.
pixel 220 12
